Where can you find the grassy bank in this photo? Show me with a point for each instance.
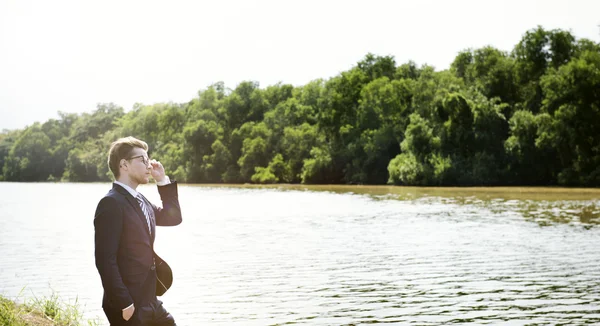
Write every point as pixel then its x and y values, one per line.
pixel 44 311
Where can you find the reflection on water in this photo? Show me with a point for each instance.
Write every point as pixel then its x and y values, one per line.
pixel 331 255
pixel 544 206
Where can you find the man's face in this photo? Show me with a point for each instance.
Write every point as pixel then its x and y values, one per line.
pixel 138 166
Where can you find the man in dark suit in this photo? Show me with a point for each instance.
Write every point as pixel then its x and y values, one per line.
pixel 125 230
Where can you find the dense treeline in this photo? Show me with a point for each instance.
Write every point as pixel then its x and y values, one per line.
pixel 528 117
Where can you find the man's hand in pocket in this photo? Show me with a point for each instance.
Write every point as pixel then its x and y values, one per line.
pixel 128 312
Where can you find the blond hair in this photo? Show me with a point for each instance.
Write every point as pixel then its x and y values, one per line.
pixel 121 149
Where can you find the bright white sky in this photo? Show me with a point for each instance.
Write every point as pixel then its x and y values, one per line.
pixel 70 55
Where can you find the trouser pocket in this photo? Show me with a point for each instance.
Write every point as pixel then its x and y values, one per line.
pixel 145 314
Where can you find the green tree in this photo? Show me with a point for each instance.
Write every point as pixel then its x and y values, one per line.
pixel 27 159
pixel 7 141
pixel 573 101
pixel 296 145
pixel 524 152
pixel 199 136
pixel 93 126
pixel 490 71
pixel 255 151
pixel 318 167
pixel 277 171
pixel 414 165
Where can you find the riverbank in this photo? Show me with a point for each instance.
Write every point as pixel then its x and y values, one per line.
pixel 41 312
pixel 410 192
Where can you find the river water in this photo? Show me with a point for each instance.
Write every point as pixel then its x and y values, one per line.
pixel 328 255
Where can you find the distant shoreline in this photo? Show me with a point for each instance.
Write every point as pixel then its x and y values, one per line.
pixel 499 188
pixel 550 193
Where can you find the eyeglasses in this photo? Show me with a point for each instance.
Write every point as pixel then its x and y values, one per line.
pixel 145 159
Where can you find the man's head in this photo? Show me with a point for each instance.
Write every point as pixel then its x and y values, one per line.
pixel 128 158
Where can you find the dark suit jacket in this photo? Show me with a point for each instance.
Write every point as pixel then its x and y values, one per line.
pixel 124 248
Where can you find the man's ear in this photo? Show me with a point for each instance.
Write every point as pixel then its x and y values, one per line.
pixel 123 163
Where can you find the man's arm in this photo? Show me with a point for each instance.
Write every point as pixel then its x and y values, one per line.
pixel 108 224
pixel 170 213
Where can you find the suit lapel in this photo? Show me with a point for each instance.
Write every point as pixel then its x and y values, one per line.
pixel 136 206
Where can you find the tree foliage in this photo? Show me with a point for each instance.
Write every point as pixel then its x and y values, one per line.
pixel 528 116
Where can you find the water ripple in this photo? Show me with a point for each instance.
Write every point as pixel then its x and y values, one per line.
pixel 288 256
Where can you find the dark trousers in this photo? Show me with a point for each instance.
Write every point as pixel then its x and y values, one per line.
pixel 149 311
pixel 152 314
